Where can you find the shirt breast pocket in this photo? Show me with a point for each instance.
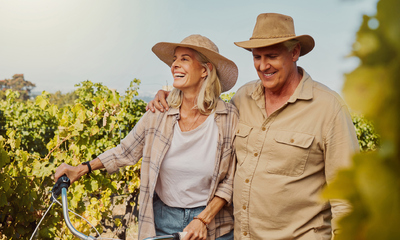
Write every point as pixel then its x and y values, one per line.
pixel 241 142
pixel 288 153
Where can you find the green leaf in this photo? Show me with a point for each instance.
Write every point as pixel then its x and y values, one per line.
pixel 41 102
pixel 4 159
pixel 94 130
pixel 94 184
pixel 6 183
pixel 3 200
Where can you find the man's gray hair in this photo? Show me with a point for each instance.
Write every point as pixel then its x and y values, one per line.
pixel 291 44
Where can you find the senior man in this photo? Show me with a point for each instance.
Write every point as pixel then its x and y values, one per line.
pixel 293 135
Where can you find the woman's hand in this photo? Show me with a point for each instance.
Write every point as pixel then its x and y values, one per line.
pixel 196 230
pixel 159 102
pixel 73 173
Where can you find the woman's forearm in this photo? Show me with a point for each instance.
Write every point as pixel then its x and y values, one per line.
pixel 209 213
pixel 76 172
pixel 95 164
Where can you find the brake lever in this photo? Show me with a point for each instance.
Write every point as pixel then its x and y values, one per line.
pixel 62 182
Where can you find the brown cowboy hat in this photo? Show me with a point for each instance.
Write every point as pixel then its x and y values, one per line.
pixel 274 28
pixel 226 69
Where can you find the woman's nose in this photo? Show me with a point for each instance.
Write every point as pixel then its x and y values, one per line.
pixel 175 64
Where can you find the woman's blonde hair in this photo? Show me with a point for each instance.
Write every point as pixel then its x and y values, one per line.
pixel 209 91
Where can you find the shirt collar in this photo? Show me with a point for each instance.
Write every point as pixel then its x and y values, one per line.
pixel 173 111
pixel 219 109
pixel 304 90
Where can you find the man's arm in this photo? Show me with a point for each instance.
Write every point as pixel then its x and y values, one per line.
pixel 341 144
pixel 159 102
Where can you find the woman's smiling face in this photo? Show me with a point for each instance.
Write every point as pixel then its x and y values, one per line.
pixel 187 71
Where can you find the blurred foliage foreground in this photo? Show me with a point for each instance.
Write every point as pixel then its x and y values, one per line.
pixel 36 137
pixel 372 185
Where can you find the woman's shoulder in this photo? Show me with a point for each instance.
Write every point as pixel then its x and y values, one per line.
pixel 150 118
pixel 226 107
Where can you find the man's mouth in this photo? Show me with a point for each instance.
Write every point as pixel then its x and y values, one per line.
pixel 268 74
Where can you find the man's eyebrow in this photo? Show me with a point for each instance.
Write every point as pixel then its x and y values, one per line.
pixel 267 54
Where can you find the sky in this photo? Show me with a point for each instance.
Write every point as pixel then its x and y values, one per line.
pixel 57 44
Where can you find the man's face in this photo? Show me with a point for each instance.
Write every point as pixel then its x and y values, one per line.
pixel 275 65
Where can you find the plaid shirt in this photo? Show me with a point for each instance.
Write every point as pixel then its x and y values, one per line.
pixel 150 140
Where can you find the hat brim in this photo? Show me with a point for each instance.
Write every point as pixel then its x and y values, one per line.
pixel 226 69
pixel 306 42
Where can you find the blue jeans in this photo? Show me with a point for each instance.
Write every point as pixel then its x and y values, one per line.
pixel 170 220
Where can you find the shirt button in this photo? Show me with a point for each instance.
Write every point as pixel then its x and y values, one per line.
pixel 315 230
pixel 292 140
pixel 244 233
pixel 255 154
pixel 238 131
pixel 244 207
pixel 247 181
pixel 264 128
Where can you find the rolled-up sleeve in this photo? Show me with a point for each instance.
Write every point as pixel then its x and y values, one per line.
pixel 228 163
pixel 128 152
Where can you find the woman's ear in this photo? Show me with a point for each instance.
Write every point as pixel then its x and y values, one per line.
pixel 205 73
pixel 210 66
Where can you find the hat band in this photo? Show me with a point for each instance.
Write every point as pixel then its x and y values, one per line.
pixel 276 36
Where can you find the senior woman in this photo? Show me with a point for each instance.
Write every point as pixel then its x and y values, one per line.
pixel 187 156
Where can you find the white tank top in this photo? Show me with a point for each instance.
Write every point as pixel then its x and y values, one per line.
pixel 185 175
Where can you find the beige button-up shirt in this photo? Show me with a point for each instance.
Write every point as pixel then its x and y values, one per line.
pixel 150 140
pixel 285 160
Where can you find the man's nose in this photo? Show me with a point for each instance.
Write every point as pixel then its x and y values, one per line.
pixel 265 65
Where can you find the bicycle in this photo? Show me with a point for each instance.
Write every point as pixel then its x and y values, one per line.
pixel 61 187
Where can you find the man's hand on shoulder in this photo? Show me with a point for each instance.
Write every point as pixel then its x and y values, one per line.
pixel 159 102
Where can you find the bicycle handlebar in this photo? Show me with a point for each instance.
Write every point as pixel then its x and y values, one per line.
pixel 66 217
pixel 62 182
pixel 61 187
pixel 174 236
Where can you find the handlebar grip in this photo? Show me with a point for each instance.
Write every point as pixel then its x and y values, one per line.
pixel 62 182
pixel 179 235
pixel 174 236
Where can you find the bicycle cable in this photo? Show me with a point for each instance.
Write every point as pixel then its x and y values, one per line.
pixel 55 200
pixel 41 221
pixel 86 221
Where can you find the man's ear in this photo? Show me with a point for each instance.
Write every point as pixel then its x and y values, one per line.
pixel 296 52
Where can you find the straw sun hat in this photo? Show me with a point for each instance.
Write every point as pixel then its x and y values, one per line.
pixel 274 28
pixel 226 69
